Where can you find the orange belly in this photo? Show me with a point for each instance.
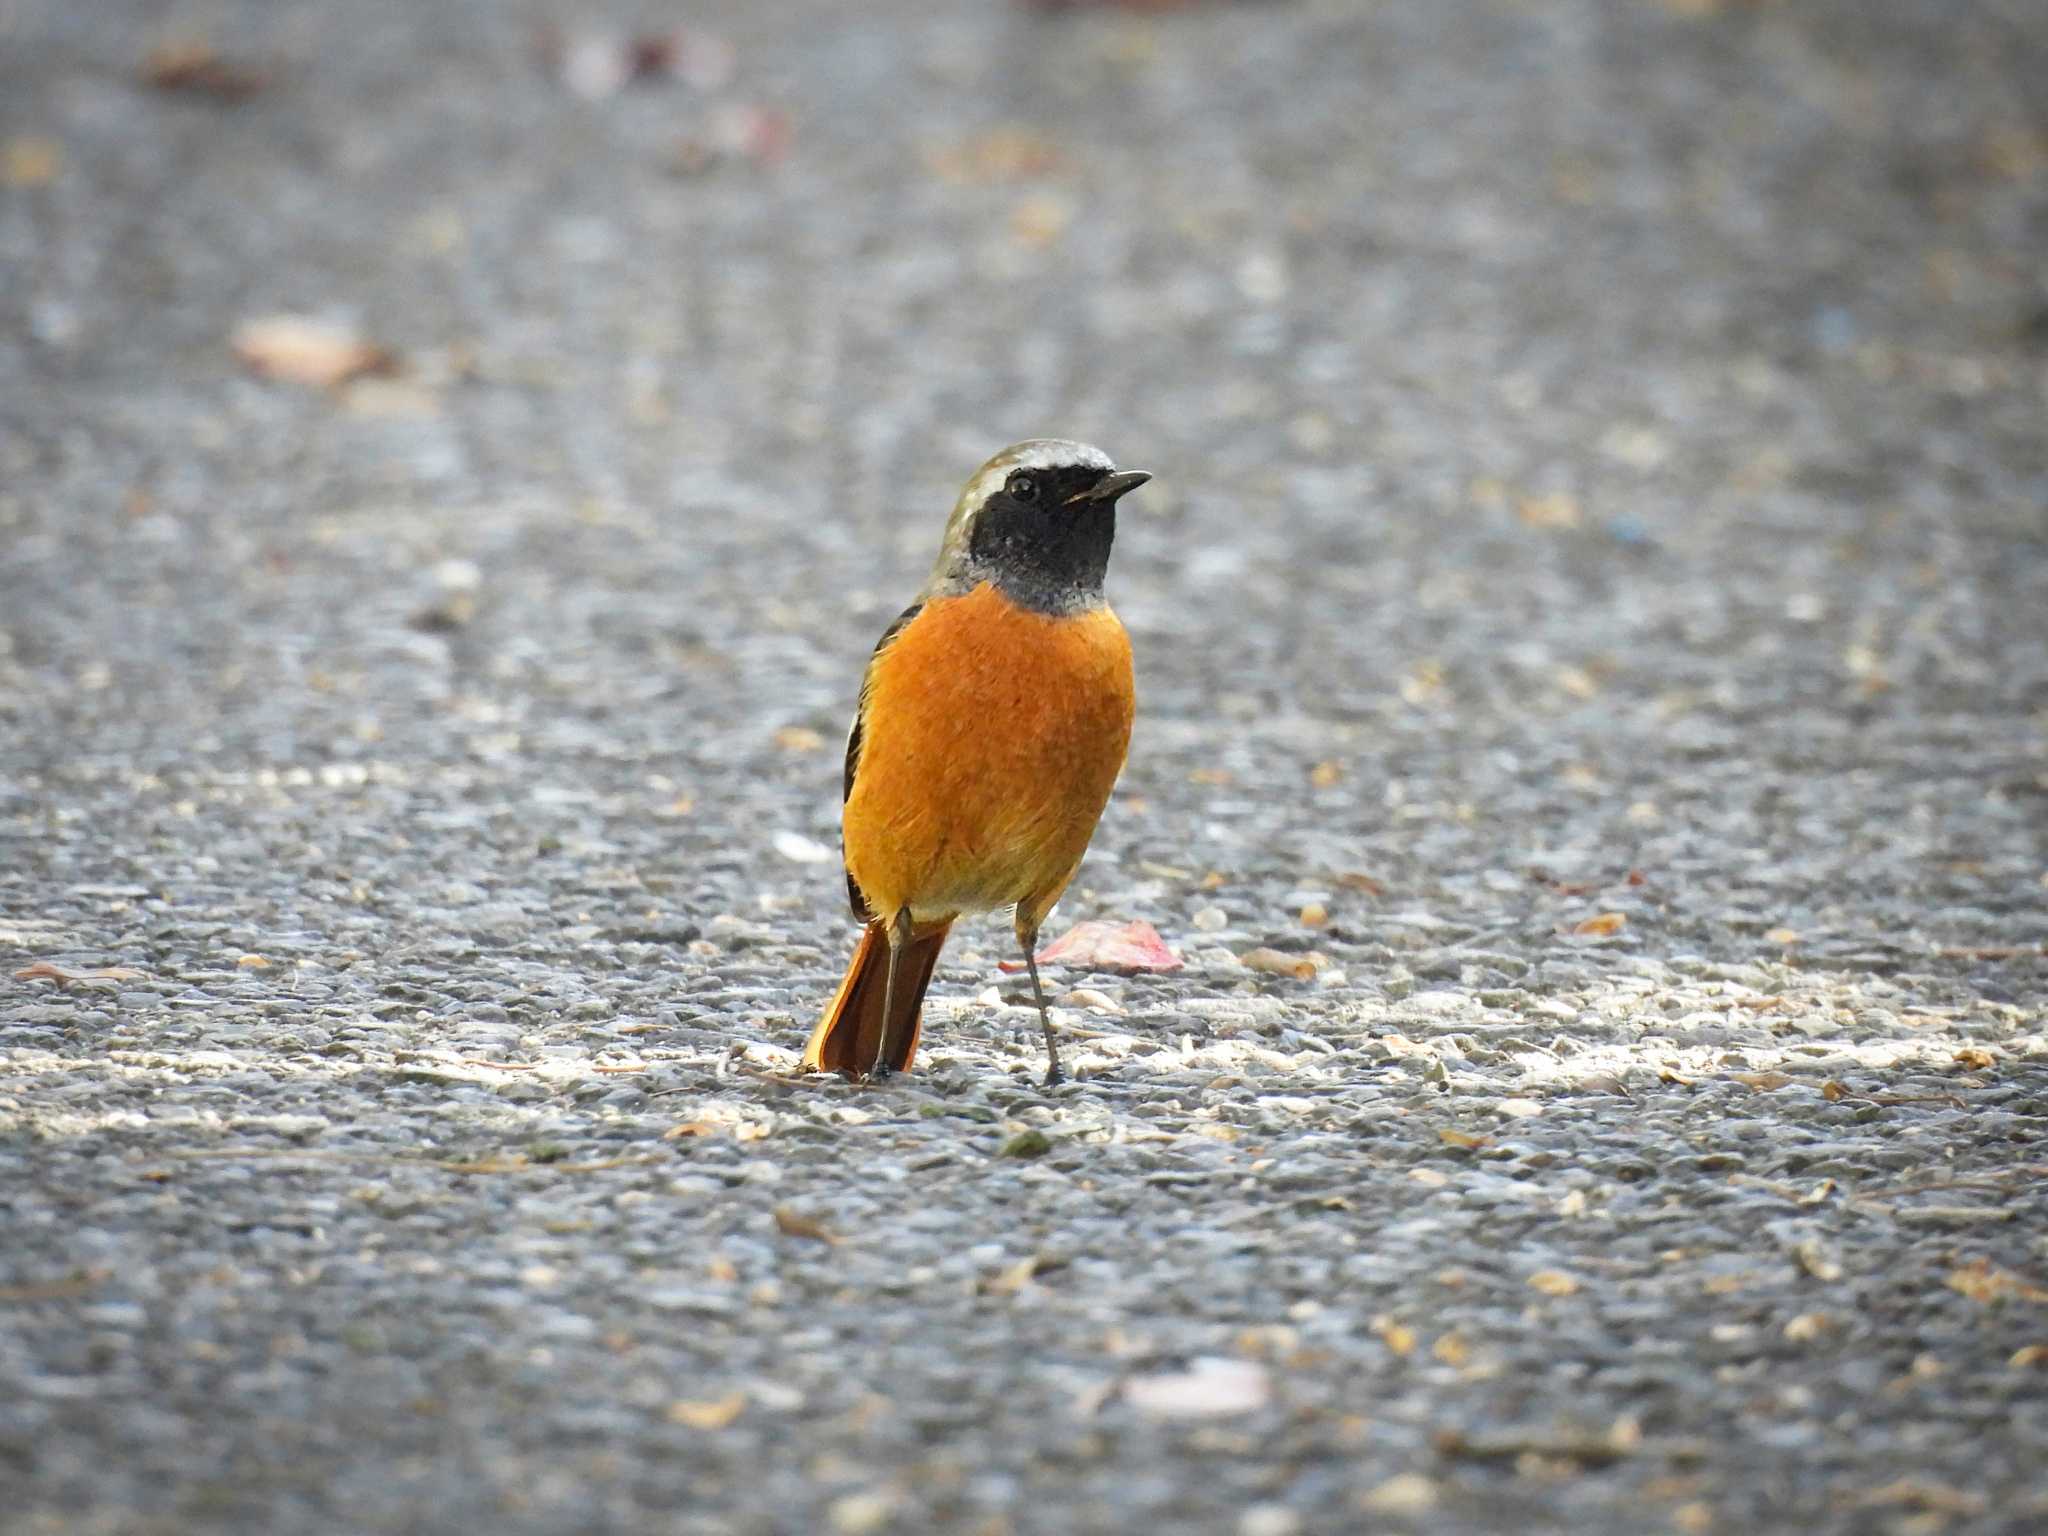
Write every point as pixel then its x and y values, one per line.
pixel 990 738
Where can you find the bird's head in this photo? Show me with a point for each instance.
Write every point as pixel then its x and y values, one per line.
pixel 1037 520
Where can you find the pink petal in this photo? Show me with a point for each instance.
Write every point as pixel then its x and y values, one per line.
pixel 1104 946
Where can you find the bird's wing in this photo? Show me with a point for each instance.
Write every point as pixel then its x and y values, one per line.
pixel 853 745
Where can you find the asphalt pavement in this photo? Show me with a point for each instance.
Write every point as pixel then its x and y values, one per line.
pixel 1592 635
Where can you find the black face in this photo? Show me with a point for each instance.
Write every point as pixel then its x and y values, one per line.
pixel 1045 536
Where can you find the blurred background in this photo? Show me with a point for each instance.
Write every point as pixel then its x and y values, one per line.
pixel 1612 388
pixel 456 457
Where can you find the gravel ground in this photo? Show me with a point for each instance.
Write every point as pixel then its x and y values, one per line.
pixel 1598 559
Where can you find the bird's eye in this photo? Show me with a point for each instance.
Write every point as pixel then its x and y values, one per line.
pixel 1023 488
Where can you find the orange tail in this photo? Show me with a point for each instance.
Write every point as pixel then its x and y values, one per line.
pixel 850 1033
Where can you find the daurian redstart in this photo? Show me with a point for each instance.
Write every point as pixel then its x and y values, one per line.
pixel 993 721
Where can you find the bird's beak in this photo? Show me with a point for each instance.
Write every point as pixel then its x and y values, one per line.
pixel 1110 487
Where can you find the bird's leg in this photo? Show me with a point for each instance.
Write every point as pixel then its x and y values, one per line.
pixel 1028 937
pixel 898 934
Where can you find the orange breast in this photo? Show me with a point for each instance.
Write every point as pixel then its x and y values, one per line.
pixel 990 738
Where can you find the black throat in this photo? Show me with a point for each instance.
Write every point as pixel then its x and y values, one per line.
pixel 1051 558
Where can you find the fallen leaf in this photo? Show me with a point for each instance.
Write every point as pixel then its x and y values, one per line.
pixel 1326 775
pixel 1405 1493
pixel 1451 1350
pixel 1011 1279
pixel 253 963
pixel 1093 1000
pixel 43 970
pixel 1210 1387
pixel 1106 946
pixel 1553 1282
pixel 1001 154
pixel 1833 1091
pixel 1981 1280
pixel 1464 1140
pixel 2028 1357
pixel 1813 1257
pixel 1974 1058
pixel 1602 924
pixel 77 1283
pixel 29 161
pixel 300 350
pixel 689 1128
pixel 1763 1082
pixel 1557 511
pixel 1922 1494
pixel 1040 221
pixel 197 68
pixel 750 131
pixel 1398 1337
pixel 1353 880
pixel 1277 962
pixel 791 1222
pixel 715 1414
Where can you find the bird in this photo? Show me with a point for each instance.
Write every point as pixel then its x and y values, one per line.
pixel 994 718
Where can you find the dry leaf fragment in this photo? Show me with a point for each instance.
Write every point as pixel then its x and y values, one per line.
pixel 1983 1281
pixel 1398 1337
pixel 1558 511
pixel 1105 946
pixel 1808 1326
pixel 1405 1493
pixel 1813 1257
pixel 1354 880
pixel 1601 924
pixel 1210 1387
pixel 29 161
pixel 1326 775
pixel 715 1414
pixel 1002 154
pixel 1553 1282
pixel 689 1128
pixel 1451 1350
pixel 301 350
pixel 791 1222
pixel 1938 1498
pixel 1012 1279
pixel 1974 1058
pixel 1833 1091
pixel 197 68
pixel 1276 962
pixel 253 963
pixel 2029 1357
pixel 750 131
pixel 1463 1140
pixel 43 970
pixel 1763 1082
